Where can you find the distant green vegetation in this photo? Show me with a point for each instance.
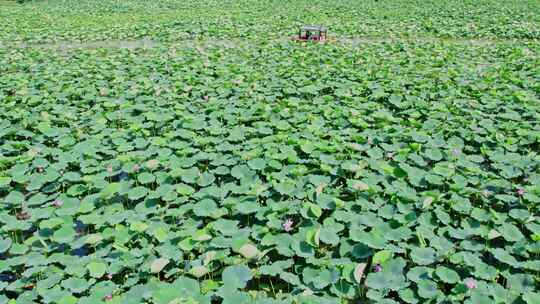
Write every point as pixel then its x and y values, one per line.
pixel 189 152
pixel 170 20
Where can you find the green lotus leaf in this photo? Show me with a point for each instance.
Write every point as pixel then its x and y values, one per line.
pixel 423 256
pixel 427 289
pixel 14 197
pixel 4 181
pixel 158 264
pixel 236 276
pixel 447 275
pixel 531 297
pixel 184 189
pixel 205 208
pixel 5 244
pixel 394 162
pixel 76 285
pixel 137 193
pixel 66 234
pixel 96 269
pixel 510 232
pixel 249 251
pixel 146 178
pixel 257 164
pixel 199 271
pixel 381 256
pixel 504 256
pixel 206 179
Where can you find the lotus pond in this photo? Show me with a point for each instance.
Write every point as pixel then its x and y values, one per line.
pixel 190 152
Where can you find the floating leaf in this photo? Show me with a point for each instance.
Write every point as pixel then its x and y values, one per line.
pixel 315 210
pixel 359 272
pixel 198 271
pixel 249 251
pixel 137 193
pixel 146 178
pixel 423 256
pixel 510 232
pixel 206 207
pixel 236 276
pixel 76 285
pixel 184 189
pixel 66 234
pixel 4 181
pixel 427 289
pixel 5 244
pixel 447 275
pixel 369 170
pixel 328 236
pixel 504 256
pixel 360 186
pixel 381 256
pixel 96 269
pixel 14 197
pixel 531 297
pixel 158 264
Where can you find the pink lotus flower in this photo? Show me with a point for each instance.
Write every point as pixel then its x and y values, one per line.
pixel 136 168
pixel 470 283
pixel 377 268
pixel 58 203
pixel 109 169
pixel 287 225
pixel 107 297
pixel 109 276
pixel 520 191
